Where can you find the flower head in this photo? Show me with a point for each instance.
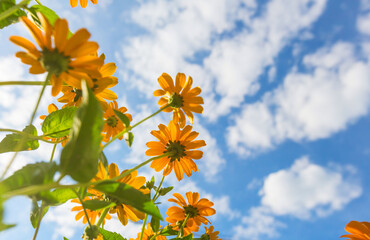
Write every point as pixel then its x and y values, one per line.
pixel 92 215
pixel 83 3
pixel 194 212
pixel 210 234
pixel 72 96
pixel 357 230
pixel 68 60
pixel 180 96
pixel 63 140
pixel 180 145
pixel 113 125
pixel 148 233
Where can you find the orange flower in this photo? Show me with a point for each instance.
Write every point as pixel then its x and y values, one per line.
pixel 210 235
pixel 178 142
pixel 124 212
pixel 52 108
pixel 358 230
pixel 180 96
pixel 195 212
pixel 148 233
pixel 69 60
pixel 93 215
pixel 73 96
pixel 83 3
pixel 113 125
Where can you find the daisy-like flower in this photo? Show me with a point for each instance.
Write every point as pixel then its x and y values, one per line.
pixel 180 96
pixel 194 212
pixel 357 230
pixel 93 215
pixel 68 60
pixel 83 3
pixel 52 108
pixel 113 125
pixel 124 212
pixel 73 96
pixel 181 146
pixel 148 233
pixel 210 234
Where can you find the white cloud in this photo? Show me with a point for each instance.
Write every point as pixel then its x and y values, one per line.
pixel 303 191
pixel 178 30
pixel 363 23
pixel 306 189
pixel 307 106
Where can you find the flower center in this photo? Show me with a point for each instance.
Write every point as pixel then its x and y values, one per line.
pixel 191 211
pixel 176 149
pixel 176 101
pixel 205 237
pixel 112 121
pixel 78 94
pixel 54 62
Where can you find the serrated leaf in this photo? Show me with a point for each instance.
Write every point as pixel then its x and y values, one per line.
pixel 154 224
pixel 80 156
pixel 12 142
pixel 31 174
pixel 14 17
pixel 57 196
pixel 96 204
pixel 129 138
pixel 58 123
pixel 107 235
pixel 122 117
pixel 164 191
pixel 126 194
pixel 50 15
pixel 35 213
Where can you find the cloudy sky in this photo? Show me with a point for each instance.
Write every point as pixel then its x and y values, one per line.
pixel 287 97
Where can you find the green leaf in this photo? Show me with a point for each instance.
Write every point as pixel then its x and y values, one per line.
pixel 96 204
pixel 35 213
pixel 164 191
pixel 80 156
pixel 13 18
pixel 129 138
pixel 57 196
pixel 122 117
pixel 107 235
pixel 3 226
pixel 64 238
pixel 11 142
pixel 154 223
pixel 31 174
pixel 188 237
pixel 126 194
pixel 104 160
pixel 58 124
pixel 50 15
pixel 168 231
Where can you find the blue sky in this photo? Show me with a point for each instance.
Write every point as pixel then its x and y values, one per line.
pixel 287 97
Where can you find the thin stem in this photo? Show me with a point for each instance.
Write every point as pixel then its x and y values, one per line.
pixel 158 188
pixel 52 153
pixel 83 206
pixel 23 139
pixel 143 227
pixel 13 9
pixel 130 128
pixel 179 234
pixel 29 83
pixel 39 221
pixel 102 216
pixel 38 2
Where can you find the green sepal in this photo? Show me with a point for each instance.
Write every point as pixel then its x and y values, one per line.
pixel 58 123
pixel 11 142
pixel 80 156
pixel 126 194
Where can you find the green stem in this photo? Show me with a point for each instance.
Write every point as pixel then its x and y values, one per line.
pixel 24 139
pixel 156 195
pixel 83 206
pixel 143 227
pixel 29 83
pixel 179 234
pixel 130 128
pixel 52 153
pixel 102 216
pixel 13 9
pixel 38 2
pixel 39 221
